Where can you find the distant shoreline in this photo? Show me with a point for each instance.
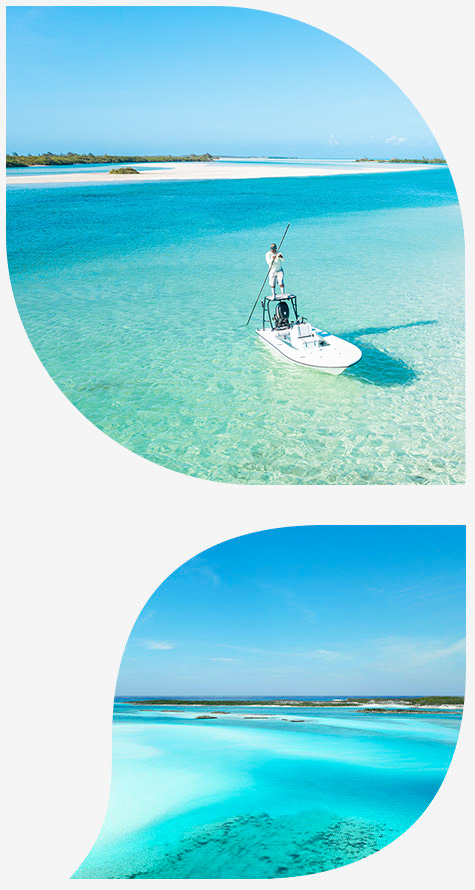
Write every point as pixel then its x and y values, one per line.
pixel 425 704
pixel 61 160
pixel 437 161
pixel 74 159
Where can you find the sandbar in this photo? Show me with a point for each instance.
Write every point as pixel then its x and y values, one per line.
pixel 184 171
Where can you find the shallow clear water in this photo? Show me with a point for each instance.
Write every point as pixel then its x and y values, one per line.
pixel 234 797
pixel 135 296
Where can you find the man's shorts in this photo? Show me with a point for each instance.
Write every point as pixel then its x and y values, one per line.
pixel 276 276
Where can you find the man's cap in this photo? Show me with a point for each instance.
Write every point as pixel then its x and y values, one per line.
pixel 273 245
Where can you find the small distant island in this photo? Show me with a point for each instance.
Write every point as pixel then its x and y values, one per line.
pixel 401 160
pixel 370 705
pixel 121 170
pixel 48 159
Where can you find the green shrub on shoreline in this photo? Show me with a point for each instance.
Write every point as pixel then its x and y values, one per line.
pixel 120 170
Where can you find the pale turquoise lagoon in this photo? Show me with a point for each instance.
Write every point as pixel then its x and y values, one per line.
pixel 234 797
pixel 134 296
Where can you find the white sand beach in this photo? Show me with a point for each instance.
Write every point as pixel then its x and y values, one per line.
pixel 189 170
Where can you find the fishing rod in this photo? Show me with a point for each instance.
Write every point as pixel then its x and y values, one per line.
pixel 267 275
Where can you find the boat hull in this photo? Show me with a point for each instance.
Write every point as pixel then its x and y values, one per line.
pixel 334 356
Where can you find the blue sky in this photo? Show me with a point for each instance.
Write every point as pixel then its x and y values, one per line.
pixel 313 611
pixel 181 79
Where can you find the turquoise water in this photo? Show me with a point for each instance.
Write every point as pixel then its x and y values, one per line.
pixel 234 797
pixel 134 296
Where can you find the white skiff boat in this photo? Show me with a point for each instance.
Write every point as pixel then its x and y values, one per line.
pixel 300 341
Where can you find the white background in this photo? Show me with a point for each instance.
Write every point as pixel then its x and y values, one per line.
pixel 90 530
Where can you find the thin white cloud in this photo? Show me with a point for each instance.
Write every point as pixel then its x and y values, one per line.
pixel 253 650
pixel 333 140
pixel 389 654
pixel 325 655
pixel 457 648
pixel 396 140
pixel 227 660
pixel 161 645
pixel 292 600
pixel 415 653
pixel 204 573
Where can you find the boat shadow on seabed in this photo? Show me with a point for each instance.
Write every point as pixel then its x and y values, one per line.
pixel 378 367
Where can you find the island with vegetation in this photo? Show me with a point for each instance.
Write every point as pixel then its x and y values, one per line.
pixel 422 160
pixel 121 170
pixel 410 704
pixel 48 159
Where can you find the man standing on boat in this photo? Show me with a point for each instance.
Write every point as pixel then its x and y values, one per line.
pixel 276 272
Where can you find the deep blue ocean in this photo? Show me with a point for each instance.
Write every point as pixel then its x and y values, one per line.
pixel 261 791
pixel 135 296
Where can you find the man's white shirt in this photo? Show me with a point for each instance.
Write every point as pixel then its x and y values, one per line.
pixel 277 265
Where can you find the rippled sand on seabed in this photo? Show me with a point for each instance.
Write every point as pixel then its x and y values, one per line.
pixel 135 298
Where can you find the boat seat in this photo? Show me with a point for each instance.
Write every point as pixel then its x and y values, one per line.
pixel 301 336
pixel 304 329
